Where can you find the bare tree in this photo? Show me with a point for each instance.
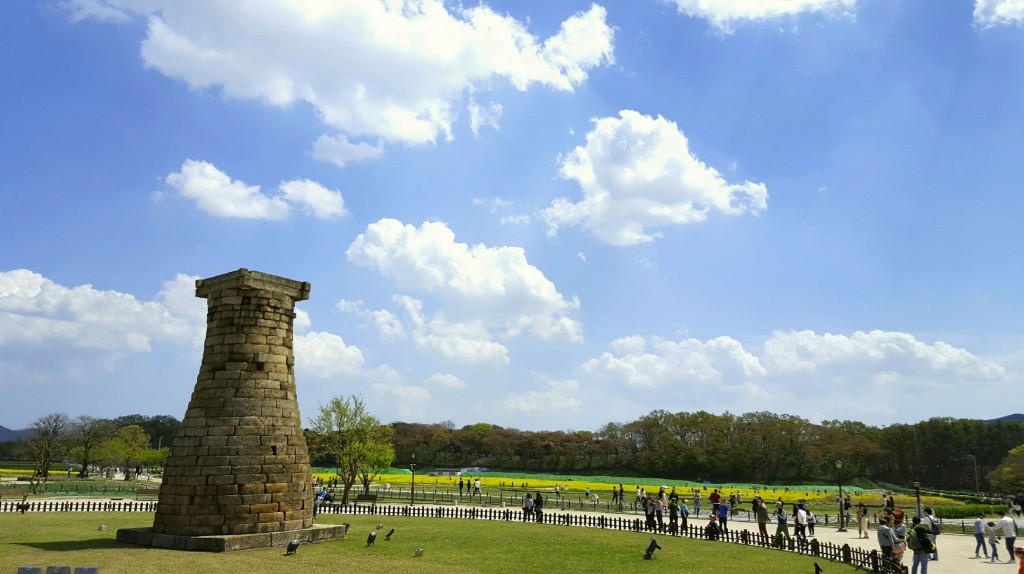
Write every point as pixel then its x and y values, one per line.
pixel 45 445
pixel 87 433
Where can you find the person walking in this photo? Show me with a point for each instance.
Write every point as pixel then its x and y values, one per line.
pixel 886 538
pixel 934 524
pixel 684 513
pixel 979 536
pixel 800 522
pixel 538 508
pixel 762 519
pixel 723 517
pixel 780 517
pixel 918 538
pixel 862 521
pixel 992 532
pixel 1009 533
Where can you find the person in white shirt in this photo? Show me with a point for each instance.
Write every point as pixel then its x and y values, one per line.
pixel 979 535
pixel 1009 533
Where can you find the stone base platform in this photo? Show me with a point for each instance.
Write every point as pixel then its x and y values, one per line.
pixel 228 543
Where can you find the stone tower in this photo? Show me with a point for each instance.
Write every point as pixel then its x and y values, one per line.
pixel 240 465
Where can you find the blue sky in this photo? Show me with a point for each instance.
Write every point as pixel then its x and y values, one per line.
pixel 542 215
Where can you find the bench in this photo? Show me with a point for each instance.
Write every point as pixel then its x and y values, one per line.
pixel 10 493
pixel 21 496
pixel 147 494
pixel 366 498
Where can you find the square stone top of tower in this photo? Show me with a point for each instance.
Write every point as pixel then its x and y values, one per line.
pixel 245 279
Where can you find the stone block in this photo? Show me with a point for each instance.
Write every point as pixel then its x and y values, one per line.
pixel 276 487
pixel 268 527
pixel 249 528
pixel 263 509
pixel 250 489
pixel 257 499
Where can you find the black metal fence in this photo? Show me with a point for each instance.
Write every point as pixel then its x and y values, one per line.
pixel 868 559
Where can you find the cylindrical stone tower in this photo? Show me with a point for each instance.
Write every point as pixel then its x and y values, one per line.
pixel 239 464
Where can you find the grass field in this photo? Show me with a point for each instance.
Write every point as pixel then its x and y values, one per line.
pixel 451 546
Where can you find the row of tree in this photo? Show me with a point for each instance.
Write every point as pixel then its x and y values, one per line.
pixel 92 443
pixel 762 447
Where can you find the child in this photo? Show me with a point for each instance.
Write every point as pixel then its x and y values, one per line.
pixel 993 539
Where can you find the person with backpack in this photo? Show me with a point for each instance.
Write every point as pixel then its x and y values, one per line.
pixel 783 526
pixel 917 541
pixel 935 525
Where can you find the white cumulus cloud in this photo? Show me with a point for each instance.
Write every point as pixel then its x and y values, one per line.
pixel 217 194
pixel 35 310
pixel 827 376
pixel 480 291
pixel 668 362
pixel 316 199
pixel 446 380
pixel 559 396
pixel 989 13
pixel 467 341
pixel 637 172
pixel 725 14
pixel 325 355
pixel 392 70
pixel 340 151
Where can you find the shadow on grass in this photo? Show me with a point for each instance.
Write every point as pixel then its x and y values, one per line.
pixel 72 545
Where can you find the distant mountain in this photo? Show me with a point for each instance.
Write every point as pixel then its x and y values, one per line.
pixel 1014 418
pixel 7 434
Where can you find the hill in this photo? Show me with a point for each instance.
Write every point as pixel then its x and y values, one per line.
pixel 7 434
pixel 1014 418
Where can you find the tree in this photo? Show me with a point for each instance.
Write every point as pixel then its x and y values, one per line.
pixel 1008 477
pixel 131 447
pixel 46 445
pixel 345 433
pixel 86 434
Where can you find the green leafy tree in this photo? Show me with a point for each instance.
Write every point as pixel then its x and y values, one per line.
pixel 45 445
pixel 130 445
pixel 357 443
pixel 1008 477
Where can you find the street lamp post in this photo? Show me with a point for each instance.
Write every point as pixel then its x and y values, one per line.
pixel 917 492
pixel 412 467
pixel 842 514
pixel 977 486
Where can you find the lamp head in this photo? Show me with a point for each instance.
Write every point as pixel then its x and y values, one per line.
pixel 371 538
pixel 292 547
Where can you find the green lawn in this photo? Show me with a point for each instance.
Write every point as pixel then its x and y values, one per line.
pixel 451 546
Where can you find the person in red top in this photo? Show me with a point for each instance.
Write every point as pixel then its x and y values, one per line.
pixel 716 499
pixel 1019 553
